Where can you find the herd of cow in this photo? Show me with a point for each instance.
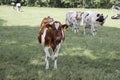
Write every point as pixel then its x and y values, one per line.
pixel 90 20
pixel 51 34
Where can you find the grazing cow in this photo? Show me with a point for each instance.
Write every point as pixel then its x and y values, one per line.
pixel 73 18
pixel 117 16
pixel 115 8
pixel 51 35
pixel 18 6
pixel 93 20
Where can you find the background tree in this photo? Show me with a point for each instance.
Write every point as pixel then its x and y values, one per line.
pixel 66 3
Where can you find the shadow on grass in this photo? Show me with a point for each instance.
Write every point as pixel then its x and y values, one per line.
pixel 22 57
pixel 2 21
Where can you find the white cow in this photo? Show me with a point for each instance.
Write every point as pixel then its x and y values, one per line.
pixel 73 19
pixel 93 20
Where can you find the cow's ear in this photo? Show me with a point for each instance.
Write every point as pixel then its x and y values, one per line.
pixel 64 26
pixel 97 19
pixel 98 15
pixel 49 26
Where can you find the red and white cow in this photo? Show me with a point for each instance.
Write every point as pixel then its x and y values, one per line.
pixel 93 20
pixel 73 19
pixel 51 35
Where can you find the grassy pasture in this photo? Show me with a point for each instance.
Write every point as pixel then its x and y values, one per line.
pixel 80 58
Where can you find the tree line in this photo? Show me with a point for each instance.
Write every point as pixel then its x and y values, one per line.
pixel 65 3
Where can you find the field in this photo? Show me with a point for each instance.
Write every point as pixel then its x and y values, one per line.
pixel 80 58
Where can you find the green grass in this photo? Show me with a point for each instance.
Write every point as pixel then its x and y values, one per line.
pixel 80 58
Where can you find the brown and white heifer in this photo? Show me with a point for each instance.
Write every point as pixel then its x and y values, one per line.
pixel 93 20
pixel 73 19
pixel 51 35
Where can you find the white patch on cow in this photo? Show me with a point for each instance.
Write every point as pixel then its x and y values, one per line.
pixel 43 36
pixel 57 25
pixel 63 33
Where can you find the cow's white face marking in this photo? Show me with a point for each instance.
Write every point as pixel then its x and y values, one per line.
pixel 57 25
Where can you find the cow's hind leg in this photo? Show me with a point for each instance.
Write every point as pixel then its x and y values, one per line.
pixel 47 57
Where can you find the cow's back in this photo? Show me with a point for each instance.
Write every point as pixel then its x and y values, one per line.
pixel 44 22
pixel 89 17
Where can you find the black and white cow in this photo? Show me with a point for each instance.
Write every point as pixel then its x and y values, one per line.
pixel 115 8
pixel 73 18
pixel 93 20
pixel 16 5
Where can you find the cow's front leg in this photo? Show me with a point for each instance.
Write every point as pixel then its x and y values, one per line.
pixel 84 28
pixel 93 32
pixel 74 28
pixel 78 26
pixel 96 29
pixel 56 55
pixel 47 57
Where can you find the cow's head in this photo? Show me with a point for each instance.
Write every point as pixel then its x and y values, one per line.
pixel 57 30
pixel 79 15
pixel 101 19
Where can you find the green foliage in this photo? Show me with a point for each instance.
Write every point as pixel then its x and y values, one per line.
pixel 67 3
pixel 115 1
